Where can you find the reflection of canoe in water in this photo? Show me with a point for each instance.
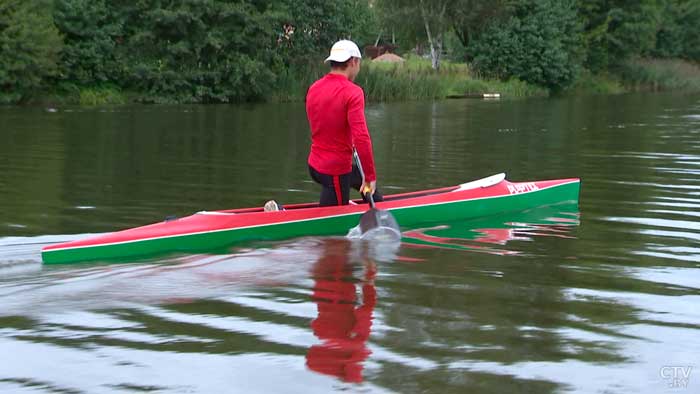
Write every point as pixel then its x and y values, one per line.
pixel 211 230
pixel 489 234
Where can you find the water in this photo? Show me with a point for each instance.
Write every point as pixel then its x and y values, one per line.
pixel 596 298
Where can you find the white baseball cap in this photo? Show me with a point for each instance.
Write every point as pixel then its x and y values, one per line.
pixel 343 50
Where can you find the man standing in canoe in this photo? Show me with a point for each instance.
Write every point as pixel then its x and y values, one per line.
pixel 335 107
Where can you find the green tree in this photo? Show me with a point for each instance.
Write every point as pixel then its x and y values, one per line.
pixel 404 24
pixel 678 34
pixel 690 19
pixel 200 50
pixel 615 30
pixel 310 27
pixel 91 31
pixel 471 17
pixel 435 20
pixel 539 43
pixel 29 47
pixel 430 16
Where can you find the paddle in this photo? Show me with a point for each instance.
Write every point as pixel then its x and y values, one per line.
pixel 374 218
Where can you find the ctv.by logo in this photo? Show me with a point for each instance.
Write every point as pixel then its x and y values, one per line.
pixel 676 376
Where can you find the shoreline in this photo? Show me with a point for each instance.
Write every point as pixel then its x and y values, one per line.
pixel 416 80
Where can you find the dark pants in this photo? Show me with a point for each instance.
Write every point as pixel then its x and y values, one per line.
pixel 335 189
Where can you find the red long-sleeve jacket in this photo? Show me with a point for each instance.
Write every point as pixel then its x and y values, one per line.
pixel 335 107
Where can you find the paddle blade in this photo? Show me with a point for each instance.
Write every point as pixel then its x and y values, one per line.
pixel 374 219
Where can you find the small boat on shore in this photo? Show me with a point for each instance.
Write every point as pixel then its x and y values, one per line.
pixel 217 230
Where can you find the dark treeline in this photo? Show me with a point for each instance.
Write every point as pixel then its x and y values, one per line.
pixel 206 51
pixel 549 42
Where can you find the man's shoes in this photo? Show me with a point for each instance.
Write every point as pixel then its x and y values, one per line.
pixel 272 206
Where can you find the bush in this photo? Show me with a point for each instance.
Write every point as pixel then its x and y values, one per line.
pixel 589 83
pixel 91 31
pixel 660 74
pixel 617 30
pixel 679 31
pixel 29 47
pixel 399 82
pixel 512 88
pixel 198 51
pixel 101 95
pixel 540 44
pixel 413 79
pixel 315 25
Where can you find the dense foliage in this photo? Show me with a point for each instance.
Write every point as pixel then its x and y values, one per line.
pixel 237 50
pixel 29 47
pixel 678 33
pixel 91 33
pixel 618 29
pixel 168 50
pixel 314 25
pixel 182 51
pixel 200 51
pixel 548 42
pixel 540 43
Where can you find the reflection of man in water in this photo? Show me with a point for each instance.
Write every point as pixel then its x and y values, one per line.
pixel 341 325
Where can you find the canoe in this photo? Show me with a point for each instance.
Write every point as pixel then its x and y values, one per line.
pixel 208 231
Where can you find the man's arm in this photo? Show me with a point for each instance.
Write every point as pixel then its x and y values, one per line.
pixel 360 134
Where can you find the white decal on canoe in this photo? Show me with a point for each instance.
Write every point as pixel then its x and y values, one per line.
pixel 518 188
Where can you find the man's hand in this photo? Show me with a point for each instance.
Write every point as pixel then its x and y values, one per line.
pixel 369 187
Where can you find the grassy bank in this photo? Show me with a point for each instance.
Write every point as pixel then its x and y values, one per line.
pixel 641 75
pixel 660 74
pixel 70 94
pixel 414 79
pixel 588 84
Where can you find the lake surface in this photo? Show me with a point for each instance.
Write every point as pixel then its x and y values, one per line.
pixel 597 298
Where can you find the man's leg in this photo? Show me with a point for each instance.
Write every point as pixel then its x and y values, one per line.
pixel 335 189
